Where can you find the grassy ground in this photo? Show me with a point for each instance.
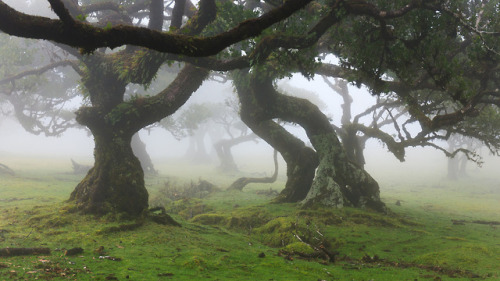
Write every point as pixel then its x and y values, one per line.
pixel 241 236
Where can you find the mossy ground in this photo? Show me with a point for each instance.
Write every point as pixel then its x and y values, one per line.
pixel 241 236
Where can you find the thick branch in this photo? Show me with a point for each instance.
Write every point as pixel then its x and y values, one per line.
pixel 61 11
pixel 90 38
pixel 149 110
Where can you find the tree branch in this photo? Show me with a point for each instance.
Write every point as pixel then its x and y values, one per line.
pixel 90 38
pixel 39 71
pixel 61 11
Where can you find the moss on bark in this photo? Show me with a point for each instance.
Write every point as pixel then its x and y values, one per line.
pixel 115 183
pixel 338 182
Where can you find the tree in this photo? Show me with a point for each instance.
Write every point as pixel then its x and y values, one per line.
pixel 425 74
pixel 418 50
pixel 440 66
pixel 42 99
pixel 337 182
pixel 354 133
pixel 235 130
pixel 116 183
pixel 38 98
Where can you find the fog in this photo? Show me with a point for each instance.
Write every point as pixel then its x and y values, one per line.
pixel 163 146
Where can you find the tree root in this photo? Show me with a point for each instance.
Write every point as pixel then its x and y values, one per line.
pixel 162 217
pixel 240 183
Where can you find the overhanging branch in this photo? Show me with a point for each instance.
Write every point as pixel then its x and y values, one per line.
pixel 89 38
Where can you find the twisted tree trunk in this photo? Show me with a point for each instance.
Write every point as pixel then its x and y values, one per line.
pixel 116 182
pixel 338 181
pixel 301 160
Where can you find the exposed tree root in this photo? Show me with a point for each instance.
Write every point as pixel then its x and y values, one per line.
pixel 162 217
pixel 240 183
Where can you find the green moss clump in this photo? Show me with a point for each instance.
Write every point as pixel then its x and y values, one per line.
pixel 48 221
pixel 299 248
pixel 249 218
pixel 280 231
pixel 323 216
pixel 188 208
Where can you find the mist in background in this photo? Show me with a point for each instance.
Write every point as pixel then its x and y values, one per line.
pixel 77 144
pixel 163 147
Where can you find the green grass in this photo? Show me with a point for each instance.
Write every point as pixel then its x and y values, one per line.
pixel 241 236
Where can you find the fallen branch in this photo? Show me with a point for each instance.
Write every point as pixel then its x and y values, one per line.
pixel 9 252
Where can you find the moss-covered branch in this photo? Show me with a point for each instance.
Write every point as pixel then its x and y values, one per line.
pixel 89 38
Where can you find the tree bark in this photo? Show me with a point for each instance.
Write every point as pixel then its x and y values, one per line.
pixel 452 168
pixel 223 150
pixel 301 160
pixel 353 144
pixel 338 181
pixel 116 182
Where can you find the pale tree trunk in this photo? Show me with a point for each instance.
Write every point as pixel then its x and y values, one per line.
pixel 139 149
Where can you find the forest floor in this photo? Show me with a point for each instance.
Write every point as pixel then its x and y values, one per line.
pixel 443 231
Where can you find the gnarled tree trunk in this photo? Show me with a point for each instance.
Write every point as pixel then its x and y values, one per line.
pixel 301 160
pixel 353 144
pixel 116 182
pixel 338 181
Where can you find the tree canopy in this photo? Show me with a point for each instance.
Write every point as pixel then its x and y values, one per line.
pixel 437 59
